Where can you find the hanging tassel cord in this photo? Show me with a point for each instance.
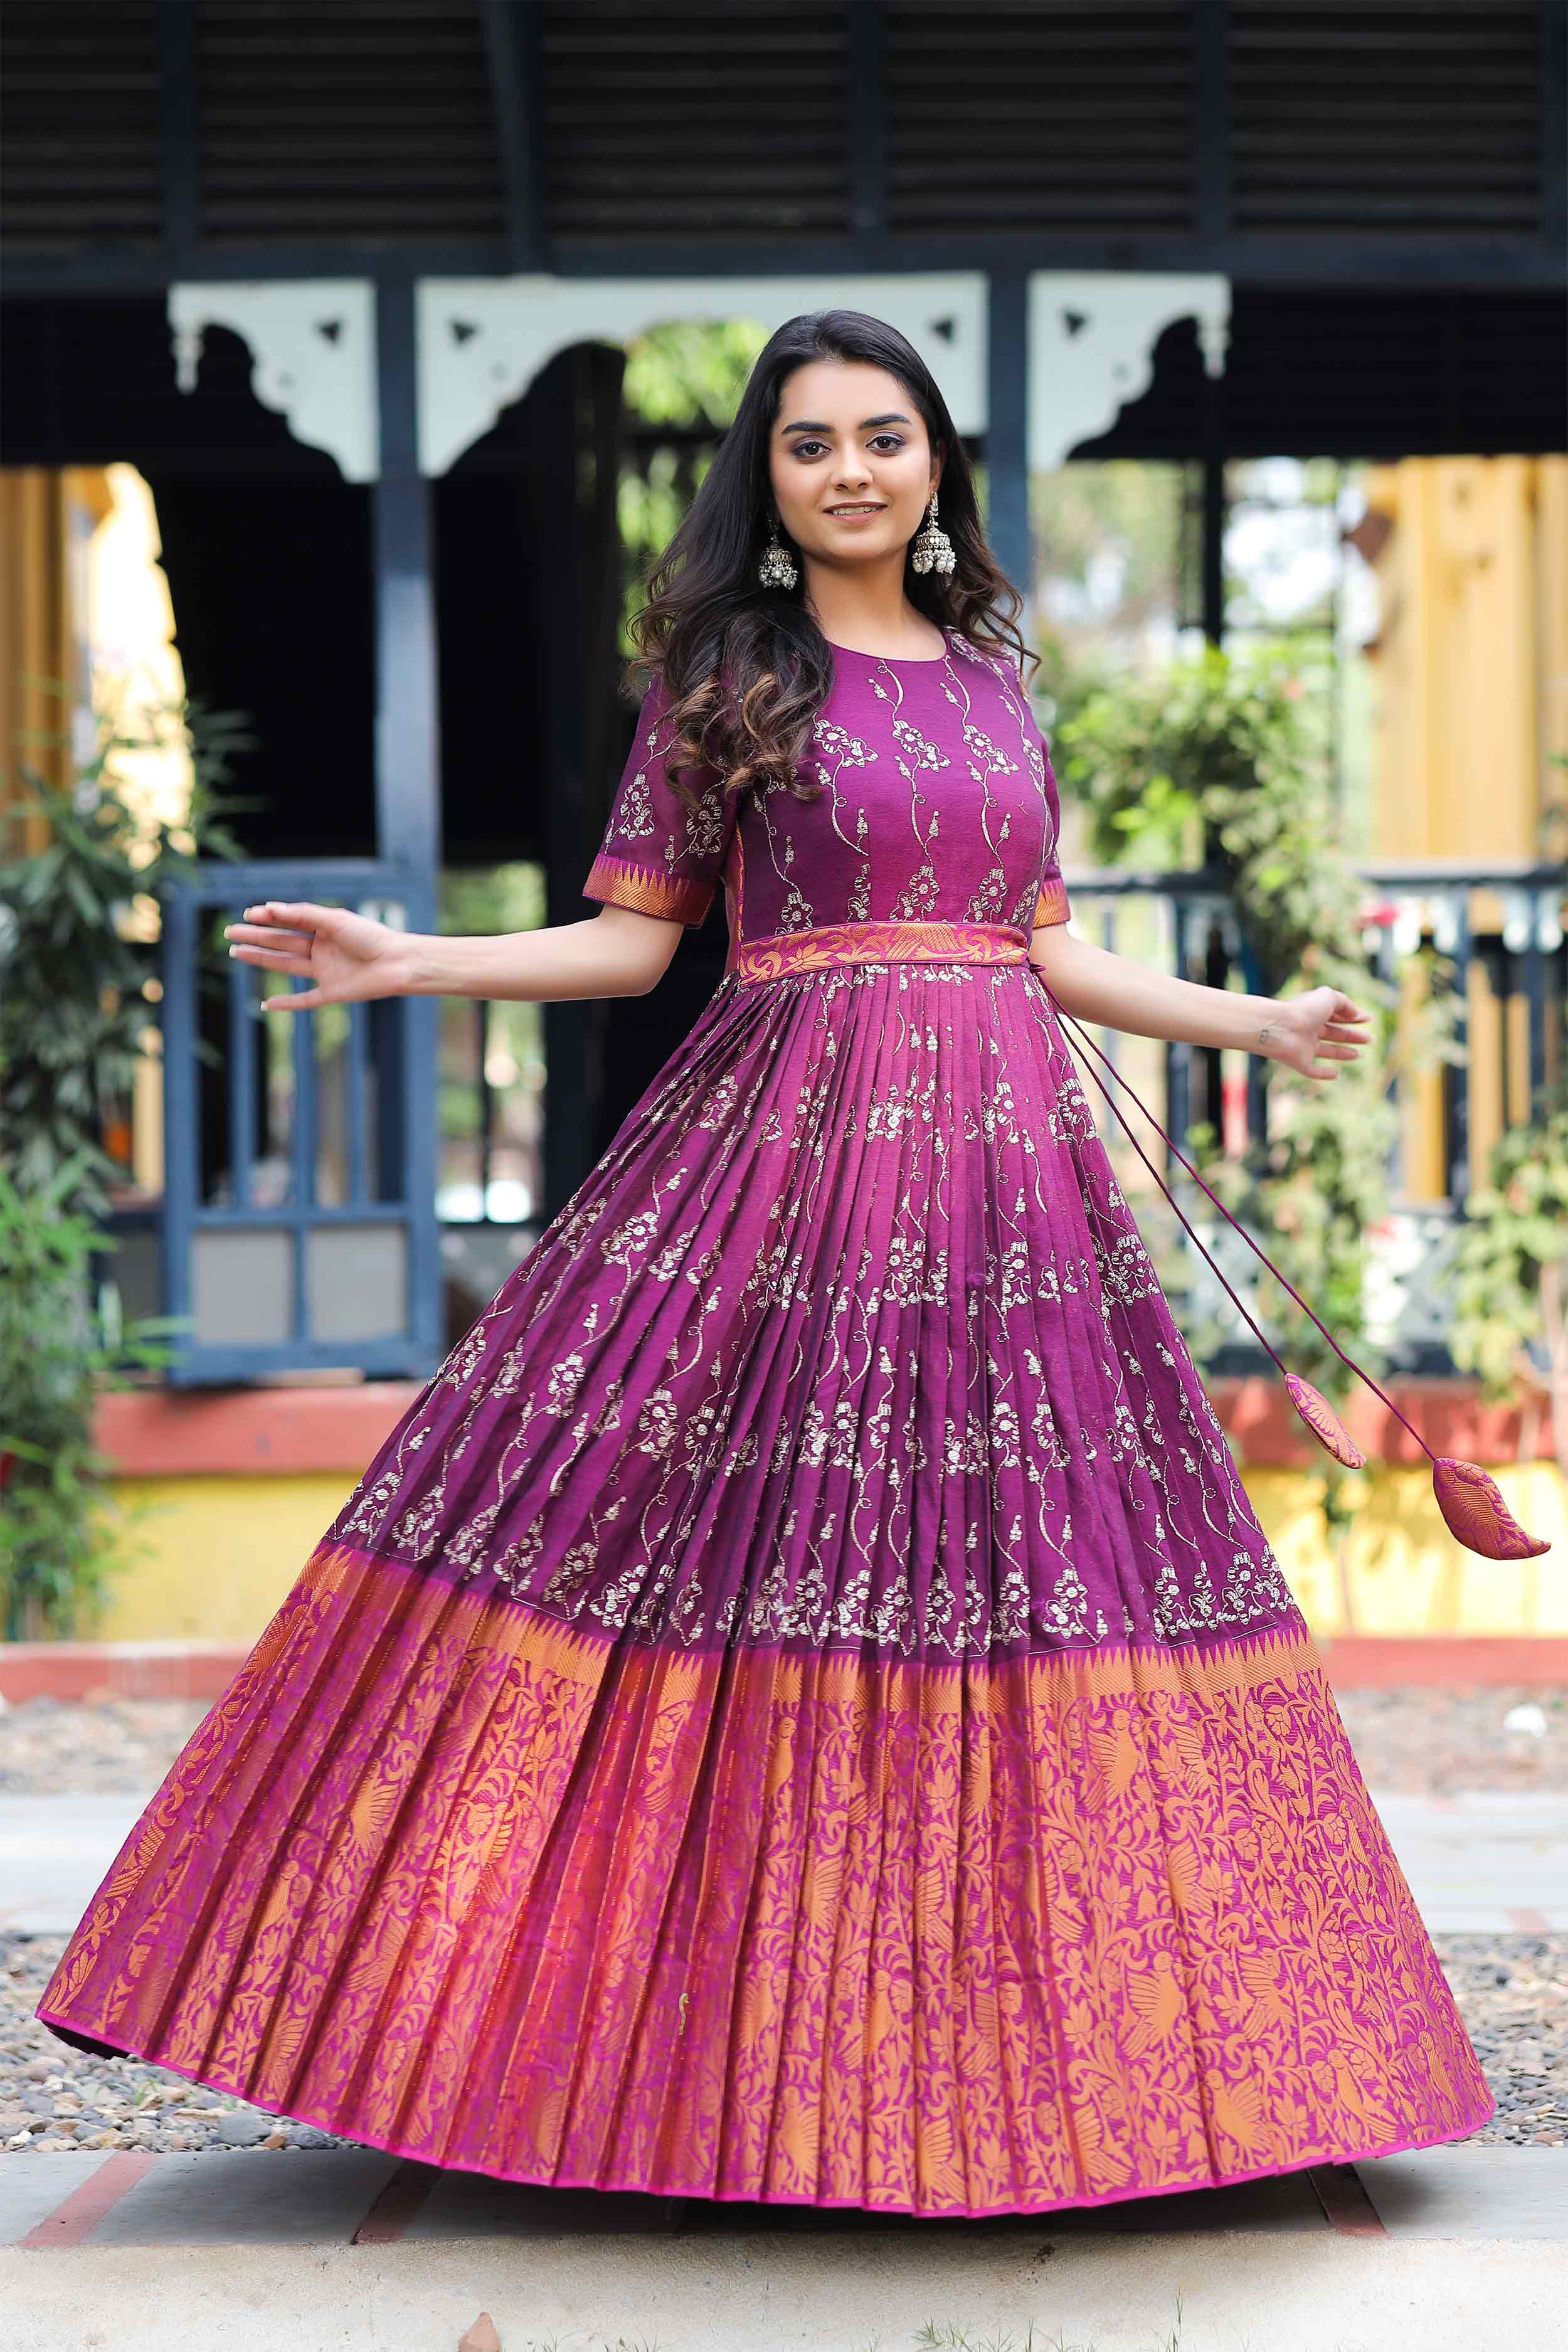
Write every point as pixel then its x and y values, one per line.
pixel 1143 1156
pixel 1066 1018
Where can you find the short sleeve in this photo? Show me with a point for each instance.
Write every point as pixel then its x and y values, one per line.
pixel 1051 907
pixel 659 856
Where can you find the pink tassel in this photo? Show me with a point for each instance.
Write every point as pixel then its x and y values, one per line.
pixel 1324 1421
pixel 1470 1501
pixel 1474 1508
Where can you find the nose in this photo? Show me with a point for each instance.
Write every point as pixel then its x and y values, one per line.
pixel 853 475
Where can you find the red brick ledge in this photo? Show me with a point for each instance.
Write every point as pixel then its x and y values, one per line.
pixel 284 1431
pixel 78 1670
pixel 157 1432
pixel 1469 1661
pixel 1449 1413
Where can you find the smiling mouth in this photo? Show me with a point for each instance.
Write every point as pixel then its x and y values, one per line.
pixel 872 507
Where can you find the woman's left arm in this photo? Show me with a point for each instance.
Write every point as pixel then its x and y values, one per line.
pixel 1321 1025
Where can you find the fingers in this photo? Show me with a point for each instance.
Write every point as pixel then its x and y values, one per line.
pixel 260 935
pixel 274 960
pixel 302 912
pixel 298 1000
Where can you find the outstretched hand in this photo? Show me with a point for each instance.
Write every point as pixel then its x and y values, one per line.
pixel 346 957
pixel 1320 1025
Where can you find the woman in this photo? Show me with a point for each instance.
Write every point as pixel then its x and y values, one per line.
pixel 802 1708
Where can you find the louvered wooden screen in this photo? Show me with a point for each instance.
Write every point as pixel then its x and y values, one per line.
pixel 344 119
pixel 1376 118
pixel 78 125
pixel 721 118
pixel 1017 115
pixel 374 121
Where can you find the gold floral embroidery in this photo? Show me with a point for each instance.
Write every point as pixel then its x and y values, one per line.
pixel 898 941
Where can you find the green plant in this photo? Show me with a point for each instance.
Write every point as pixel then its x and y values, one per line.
pixel 79 989
pixel 1221 756
pixel 1511 1270
pixel 78 942
pixel 60 1532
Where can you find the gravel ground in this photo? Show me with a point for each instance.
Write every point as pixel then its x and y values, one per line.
pixel 1512 1990
pixel 1439 1743
pixel 119 1748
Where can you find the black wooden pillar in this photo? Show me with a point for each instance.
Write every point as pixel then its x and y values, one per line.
pixel 408 761
pixel 1007 425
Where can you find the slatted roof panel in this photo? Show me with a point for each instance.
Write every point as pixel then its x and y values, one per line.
pixel 1372 118
pixel 344 120
pixel 1070 115
pixel 78 125
pixel 373 124
pixel 720 118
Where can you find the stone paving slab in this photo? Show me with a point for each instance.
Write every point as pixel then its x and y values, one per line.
pixel 298 2197
pixel 54 1852
pixel 31 2190
pixel 1477 1864
pixel 807 2293
pixel 465 2205
pixel 1466 2190
pixel 325 2197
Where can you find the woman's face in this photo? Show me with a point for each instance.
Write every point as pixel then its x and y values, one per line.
pixel 850 462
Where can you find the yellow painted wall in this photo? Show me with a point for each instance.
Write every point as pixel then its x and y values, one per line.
pixel 1471 657
pixel 212 1559
pixel 1403 1572
pixel 1471 697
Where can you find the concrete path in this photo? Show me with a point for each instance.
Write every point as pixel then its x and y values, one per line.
pixel 1457 2249
pixel 1482 1864
pixel 54 1851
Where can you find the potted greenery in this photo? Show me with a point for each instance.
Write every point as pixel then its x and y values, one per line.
pixel 78 988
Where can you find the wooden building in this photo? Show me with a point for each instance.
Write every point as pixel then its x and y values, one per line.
pixel 350 282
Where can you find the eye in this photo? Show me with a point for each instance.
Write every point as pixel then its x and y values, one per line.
pixel 809 448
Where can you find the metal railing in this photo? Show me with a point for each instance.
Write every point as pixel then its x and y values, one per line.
pixel 299 1225
pixel 1518 959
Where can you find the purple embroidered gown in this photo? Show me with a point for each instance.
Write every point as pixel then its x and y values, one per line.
pixel 802 1708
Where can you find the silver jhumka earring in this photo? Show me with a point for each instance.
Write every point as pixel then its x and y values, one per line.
pixel 932 550
pixel 778 568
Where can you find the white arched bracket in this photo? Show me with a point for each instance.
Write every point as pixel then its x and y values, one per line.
pixel 314 344
pixel 1091 343
pixel 482 341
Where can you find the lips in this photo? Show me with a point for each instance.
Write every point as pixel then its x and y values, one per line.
pixel 872 506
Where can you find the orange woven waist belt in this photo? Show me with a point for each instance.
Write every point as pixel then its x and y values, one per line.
pixel 779 955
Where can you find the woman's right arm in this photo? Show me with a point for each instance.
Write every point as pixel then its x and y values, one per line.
pixel 347 958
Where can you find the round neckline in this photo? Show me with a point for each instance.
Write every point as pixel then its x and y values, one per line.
pixel 902 661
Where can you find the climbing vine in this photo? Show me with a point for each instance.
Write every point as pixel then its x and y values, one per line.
pixel 1510 1271
pixel 78 990
pixel 1220 753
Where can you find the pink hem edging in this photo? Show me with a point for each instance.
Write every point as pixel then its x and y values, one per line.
pixel 821 2204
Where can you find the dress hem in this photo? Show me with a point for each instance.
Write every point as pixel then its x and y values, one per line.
pixel 619 2188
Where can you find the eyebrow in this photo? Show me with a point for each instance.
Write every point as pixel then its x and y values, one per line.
pixel 896 416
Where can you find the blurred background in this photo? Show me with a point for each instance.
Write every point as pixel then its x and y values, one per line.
pixel 358 358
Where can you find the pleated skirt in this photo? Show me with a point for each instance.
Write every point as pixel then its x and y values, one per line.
pixel 801 1708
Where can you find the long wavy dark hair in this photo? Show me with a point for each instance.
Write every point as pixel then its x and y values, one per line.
pixel 747 668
